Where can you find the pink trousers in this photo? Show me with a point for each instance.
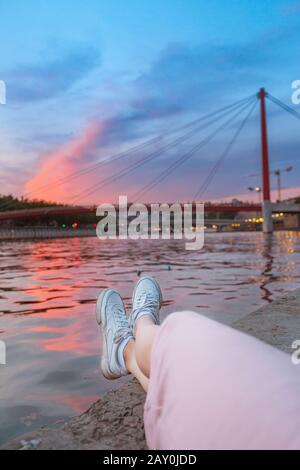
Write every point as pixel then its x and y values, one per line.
pixel 212 387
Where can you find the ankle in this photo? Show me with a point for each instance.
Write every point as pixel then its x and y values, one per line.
pixel 128 354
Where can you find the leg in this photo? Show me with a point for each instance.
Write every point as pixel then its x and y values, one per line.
pixel 145 333
pixel 146 303
pixel 213 387
pixel 119 353
pixel 137 353
pixel 132 366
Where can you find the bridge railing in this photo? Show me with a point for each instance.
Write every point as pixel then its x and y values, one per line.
pixel 44 232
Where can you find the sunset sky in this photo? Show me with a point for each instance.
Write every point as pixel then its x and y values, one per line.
pixel 88 79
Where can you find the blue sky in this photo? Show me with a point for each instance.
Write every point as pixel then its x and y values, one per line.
pixel 88 79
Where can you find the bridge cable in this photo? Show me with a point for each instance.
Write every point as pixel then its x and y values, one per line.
pixel 223 155
pixel 149 157
pixel 186 156
pixel 283 106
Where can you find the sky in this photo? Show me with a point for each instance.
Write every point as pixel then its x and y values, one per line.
pixel 86 81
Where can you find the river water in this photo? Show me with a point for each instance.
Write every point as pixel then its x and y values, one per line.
pixel 48 290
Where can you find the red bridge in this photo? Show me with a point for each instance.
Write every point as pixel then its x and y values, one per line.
pixel 56 211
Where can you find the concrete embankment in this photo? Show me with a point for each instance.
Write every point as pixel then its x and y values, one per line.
pixel 115 421
pixel 44 232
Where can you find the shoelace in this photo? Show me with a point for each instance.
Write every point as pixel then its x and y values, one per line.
pixel 146 301
pixel 123 331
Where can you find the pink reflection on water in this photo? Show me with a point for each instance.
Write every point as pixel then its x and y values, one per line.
pixel 51 275
pixel 79 336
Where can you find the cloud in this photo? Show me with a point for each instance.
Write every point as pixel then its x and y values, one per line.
pixel 50 78
pixel 62 162
pixel 186 77
pixel 12 178
pixel 184 80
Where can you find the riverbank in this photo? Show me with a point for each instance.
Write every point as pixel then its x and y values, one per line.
pixel 115 421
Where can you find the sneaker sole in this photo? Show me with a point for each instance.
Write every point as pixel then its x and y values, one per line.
pixel 101 320
pixel 150 278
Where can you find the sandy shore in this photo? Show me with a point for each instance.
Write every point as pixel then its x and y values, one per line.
pixel 115 421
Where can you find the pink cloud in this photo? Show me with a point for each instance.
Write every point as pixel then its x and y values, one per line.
pixel 62 162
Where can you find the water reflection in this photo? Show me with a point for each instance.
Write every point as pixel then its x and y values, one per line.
pixel 47 295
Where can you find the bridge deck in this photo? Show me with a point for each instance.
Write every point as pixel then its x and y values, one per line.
pixel 53 211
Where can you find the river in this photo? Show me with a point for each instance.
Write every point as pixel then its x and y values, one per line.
pixel 47 303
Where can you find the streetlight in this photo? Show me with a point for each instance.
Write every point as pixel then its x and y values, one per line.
pixel 278 174
pixel 257 189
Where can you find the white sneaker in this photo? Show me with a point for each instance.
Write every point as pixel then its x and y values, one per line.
pixel 116 332
pixel 146 300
